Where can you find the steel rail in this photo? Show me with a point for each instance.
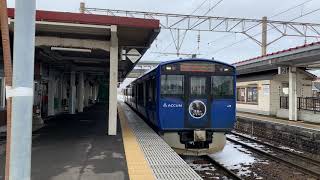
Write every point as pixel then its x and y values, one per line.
pixel 315 162
pixel 276 158
pixel 230 173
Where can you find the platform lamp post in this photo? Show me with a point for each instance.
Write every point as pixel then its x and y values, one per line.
pixel 22 90
pixel 7 73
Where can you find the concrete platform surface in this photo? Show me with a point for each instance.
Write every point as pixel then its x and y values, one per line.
pixel 75 147
pixel 164 162
pixel 301 124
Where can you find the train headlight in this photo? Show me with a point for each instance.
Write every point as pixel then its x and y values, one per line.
pixel 168 68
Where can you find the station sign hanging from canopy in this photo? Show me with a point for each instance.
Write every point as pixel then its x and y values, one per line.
pixel 133 55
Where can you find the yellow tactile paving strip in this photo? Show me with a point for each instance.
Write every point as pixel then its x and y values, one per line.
pixel 280 121
pixel 138 167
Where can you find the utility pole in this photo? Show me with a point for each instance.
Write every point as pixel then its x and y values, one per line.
pixel 8 75
pixel 264 36
pixel 22 90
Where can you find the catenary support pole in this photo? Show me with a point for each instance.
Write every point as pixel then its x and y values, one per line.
pixel 8 75
pixel 82 7
pixel 264 36
pixel 113 81
pixel 22 90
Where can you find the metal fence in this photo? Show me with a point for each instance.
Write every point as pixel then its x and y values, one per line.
pixel 304 103
pixel 309 103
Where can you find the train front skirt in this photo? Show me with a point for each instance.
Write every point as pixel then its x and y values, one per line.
pixel 173 139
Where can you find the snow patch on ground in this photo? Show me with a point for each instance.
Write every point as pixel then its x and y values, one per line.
pixel 233 155
pixel 290 149
pixel 202 167
pixel 237 158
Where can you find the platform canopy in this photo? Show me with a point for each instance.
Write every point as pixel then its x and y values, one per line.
pixel 81 42
pixel 306 56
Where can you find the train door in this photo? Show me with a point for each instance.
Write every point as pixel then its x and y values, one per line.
pixel 197 104
pixel 223 102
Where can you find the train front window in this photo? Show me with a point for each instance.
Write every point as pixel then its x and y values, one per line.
pixel 222 86
pixel 172 84
pixel 198 85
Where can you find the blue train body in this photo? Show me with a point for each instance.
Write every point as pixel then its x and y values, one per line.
pixel 190 102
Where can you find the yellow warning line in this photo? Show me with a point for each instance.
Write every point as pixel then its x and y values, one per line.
pixel 138 167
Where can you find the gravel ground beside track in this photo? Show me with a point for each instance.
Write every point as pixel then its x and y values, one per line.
pixel 205 168
pixel 261 167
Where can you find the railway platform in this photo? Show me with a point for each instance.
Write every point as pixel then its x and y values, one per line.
pixel 293 134
pixel 300 124
pixel 77 147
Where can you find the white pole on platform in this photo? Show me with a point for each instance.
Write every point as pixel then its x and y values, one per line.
pixel 113 83
pixel 81 92
pixel 22 92
pixel 51 92
pixel 293 101
pixel 72 106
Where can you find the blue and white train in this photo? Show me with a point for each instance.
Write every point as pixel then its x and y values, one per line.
pixel 191 103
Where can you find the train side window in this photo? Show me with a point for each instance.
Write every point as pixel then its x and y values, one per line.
pixel 140 94
pixel 222 86
pixel 150 91
pixel 154 89
pixel 133 93
pixel 172 84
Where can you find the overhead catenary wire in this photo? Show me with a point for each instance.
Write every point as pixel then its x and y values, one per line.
pixel 289 9
pixel 196 23
pixel 272 16
pixel 230 45
pixel 184 34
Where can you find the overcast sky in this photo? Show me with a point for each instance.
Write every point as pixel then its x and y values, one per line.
pixel 231 8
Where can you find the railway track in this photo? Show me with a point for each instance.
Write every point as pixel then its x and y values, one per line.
pixel 228 171
pixel 209 168
pixel 300 162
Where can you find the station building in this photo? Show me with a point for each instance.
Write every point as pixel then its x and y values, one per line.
pixel 80 59
pixel 279 84
pixel 316 87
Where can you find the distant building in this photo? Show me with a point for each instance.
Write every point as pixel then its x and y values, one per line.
pixel 316 87
pixel 279 84
pixel 267 92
